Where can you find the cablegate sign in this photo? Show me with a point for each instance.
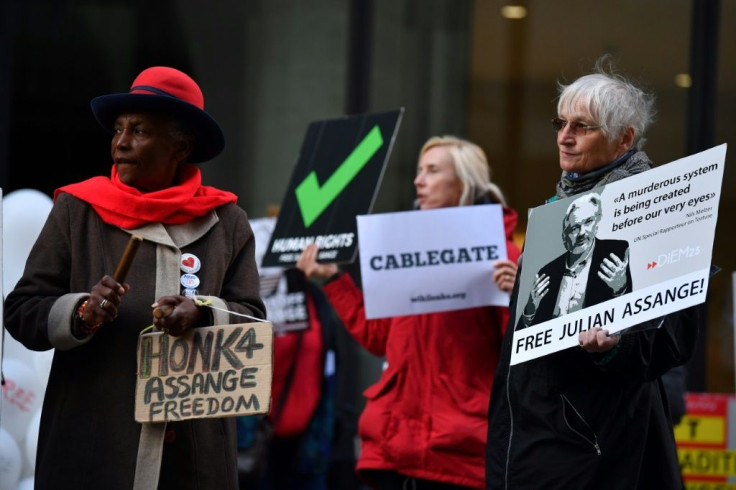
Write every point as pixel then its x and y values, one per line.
pixel 218 371
pixel 335 179
pixel 619 255
pixel 409 268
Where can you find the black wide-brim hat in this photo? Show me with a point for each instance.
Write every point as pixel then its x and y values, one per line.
pixel 167 91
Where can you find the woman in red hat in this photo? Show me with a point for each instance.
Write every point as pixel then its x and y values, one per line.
pixel 66 300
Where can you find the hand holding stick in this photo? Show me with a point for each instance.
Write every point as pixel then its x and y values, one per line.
pixel 104 300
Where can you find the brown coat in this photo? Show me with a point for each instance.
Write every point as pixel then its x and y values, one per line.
pixel 88 438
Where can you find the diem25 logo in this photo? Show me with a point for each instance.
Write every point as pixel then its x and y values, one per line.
pixel 674 256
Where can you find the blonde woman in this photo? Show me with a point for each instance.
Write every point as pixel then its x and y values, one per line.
pixel 424 423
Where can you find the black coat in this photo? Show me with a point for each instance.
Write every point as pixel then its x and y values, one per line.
pixel 578 420
pixel 570 420
pixel 88 438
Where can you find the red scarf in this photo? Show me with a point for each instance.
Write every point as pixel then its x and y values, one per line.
pixel 127 207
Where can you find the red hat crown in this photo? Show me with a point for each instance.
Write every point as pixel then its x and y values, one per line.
pixel 162 80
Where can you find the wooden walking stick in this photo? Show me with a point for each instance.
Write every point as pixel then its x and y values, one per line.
pixel 127 258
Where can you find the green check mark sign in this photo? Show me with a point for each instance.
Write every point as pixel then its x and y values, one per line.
pixel 313 199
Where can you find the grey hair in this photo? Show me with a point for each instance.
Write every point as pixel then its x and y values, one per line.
pixel 471 167
pixel 614 103
pixel 180 132
pixel 590 198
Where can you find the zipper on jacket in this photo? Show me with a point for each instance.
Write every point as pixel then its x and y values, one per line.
pixel 511 429
pixel 594 442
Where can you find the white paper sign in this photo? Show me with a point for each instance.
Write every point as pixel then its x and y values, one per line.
pixel 416 262
pixel 286 301
pixel 665 218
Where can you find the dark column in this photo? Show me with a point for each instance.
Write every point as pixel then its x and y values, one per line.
pixel 360 38
pixel 349 400
pixel 703 71
pixel 701 131
pixel 8 23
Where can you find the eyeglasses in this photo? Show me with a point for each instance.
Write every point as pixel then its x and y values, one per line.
pixel 559 124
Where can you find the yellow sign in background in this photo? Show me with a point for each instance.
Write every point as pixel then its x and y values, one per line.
pixel 701 429
pixel 705 450
pixel 707 462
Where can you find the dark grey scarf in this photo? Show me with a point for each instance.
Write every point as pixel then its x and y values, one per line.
pixel 629 164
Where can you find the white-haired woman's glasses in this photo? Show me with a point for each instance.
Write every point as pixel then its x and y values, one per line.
pixel 575 127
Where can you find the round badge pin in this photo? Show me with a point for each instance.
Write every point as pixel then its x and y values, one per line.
pixel 189 281
pixel 190 263
pixel 189 293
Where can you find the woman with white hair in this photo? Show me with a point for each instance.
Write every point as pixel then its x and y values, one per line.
pixel 593 416
pixel 600 128
pixel 424 423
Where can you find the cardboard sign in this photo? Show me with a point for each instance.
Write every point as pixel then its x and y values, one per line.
pixel 657 228
pixel 415 262
pixel 218 371
pixel 336 178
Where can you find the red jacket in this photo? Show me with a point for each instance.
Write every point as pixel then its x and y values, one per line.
pixel 427 415
pixel 306 385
